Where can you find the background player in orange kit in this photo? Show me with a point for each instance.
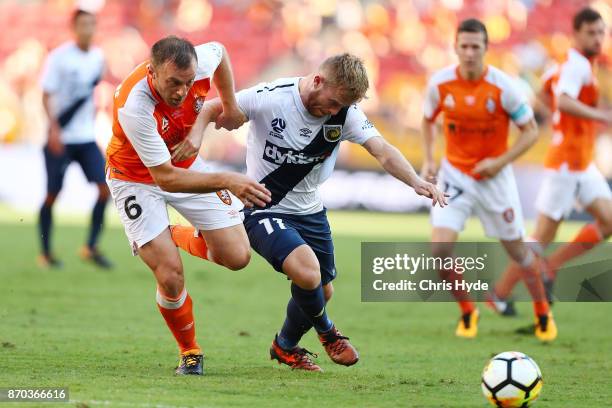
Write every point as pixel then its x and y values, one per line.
pixel 478 102
pixel 571 175
pixel 156 112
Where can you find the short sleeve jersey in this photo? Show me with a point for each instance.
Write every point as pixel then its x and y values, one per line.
pixel 291 151
pixel 476 113
pixel 573 137
pixel 145 128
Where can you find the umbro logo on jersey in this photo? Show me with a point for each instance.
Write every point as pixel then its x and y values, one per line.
pixel 332 133
pixel 279 155
pixel 305 132
pixel 278 125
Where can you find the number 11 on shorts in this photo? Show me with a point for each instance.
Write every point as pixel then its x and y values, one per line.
pixel 268 224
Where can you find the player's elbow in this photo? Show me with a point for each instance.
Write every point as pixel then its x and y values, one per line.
pixel 166 181
pixel 169 186
pixel 566 103
pixel 389 157
pixel 532 135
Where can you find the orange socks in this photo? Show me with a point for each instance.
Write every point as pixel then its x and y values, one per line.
pixel 462 296
pixel 466 306
pixel 178 314
pixel 185 237
pixel 541 308
pixel 589 236
pixel 507 282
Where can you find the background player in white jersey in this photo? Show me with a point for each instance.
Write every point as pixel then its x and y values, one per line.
pixel 296 128
pixel 571 176
pixel 478 103
pixel 71 73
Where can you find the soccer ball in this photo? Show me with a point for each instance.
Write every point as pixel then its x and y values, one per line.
pixel 511 380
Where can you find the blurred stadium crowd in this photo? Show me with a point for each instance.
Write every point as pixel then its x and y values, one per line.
pixel 402 42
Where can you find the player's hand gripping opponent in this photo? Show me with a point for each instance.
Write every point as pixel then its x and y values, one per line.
pixel 231 118
pixel 250 192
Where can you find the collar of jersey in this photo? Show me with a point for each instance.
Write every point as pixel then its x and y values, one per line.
pixel 475 81
pixel 575 50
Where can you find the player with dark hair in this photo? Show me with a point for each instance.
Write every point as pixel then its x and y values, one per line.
pixel 70 75
pixel 571 175
pixel 152 162
pixel 478 102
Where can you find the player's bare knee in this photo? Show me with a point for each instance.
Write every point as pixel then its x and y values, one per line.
pixel 238 259
pixel 604 222
pixel 307 277
pixel 170 278
pixel 442 249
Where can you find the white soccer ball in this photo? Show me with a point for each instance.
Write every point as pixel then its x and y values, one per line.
pixel 511 380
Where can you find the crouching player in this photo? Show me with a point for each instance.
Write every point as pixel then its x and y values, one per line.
pixel 297 125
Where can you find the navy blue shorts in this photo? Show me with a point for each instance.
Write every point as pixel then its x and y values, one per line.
pixel 274 236
pixel 88 156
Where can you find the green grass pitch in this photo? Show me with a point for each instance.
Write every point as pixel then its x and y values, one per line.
pixel 100 334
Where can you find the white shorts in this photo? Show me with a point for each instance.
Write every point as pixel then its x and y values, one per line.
pixel 143 212
pixel 494 201
pixel 561 189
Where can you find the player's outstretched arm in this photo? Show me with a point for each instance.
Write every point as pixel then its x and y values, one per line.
pixel 178 180
pixel 574 107
pixel 231 116
pixel 429 170
pixel 490 166
pixel 394 163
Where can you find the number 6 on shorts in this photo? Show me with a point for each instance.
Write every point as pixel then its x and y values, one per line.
pixel 134 210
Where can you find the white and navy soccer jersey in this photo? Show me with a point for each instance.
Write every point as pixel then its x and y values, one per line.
pixel 69 76
pixel 291 151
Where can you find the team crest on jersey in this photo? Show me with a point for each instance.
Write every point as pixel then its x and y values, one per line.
pixel 224 196
pixel 165 125
pixel 470 100
pixel 508 215
pixel 490 105
pixel 332 133
pixel 449 101
pixel 198 103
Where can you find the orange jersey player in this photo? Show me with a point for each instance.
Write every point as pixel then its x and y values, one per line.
pixel 152 162
pixel 478 103
pixel 571 175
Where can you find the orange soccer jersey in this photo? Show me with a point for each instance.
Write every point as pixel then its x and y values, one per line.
pixel 141 118
pixel 476 114
pixel 573 137
pixel 173 125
